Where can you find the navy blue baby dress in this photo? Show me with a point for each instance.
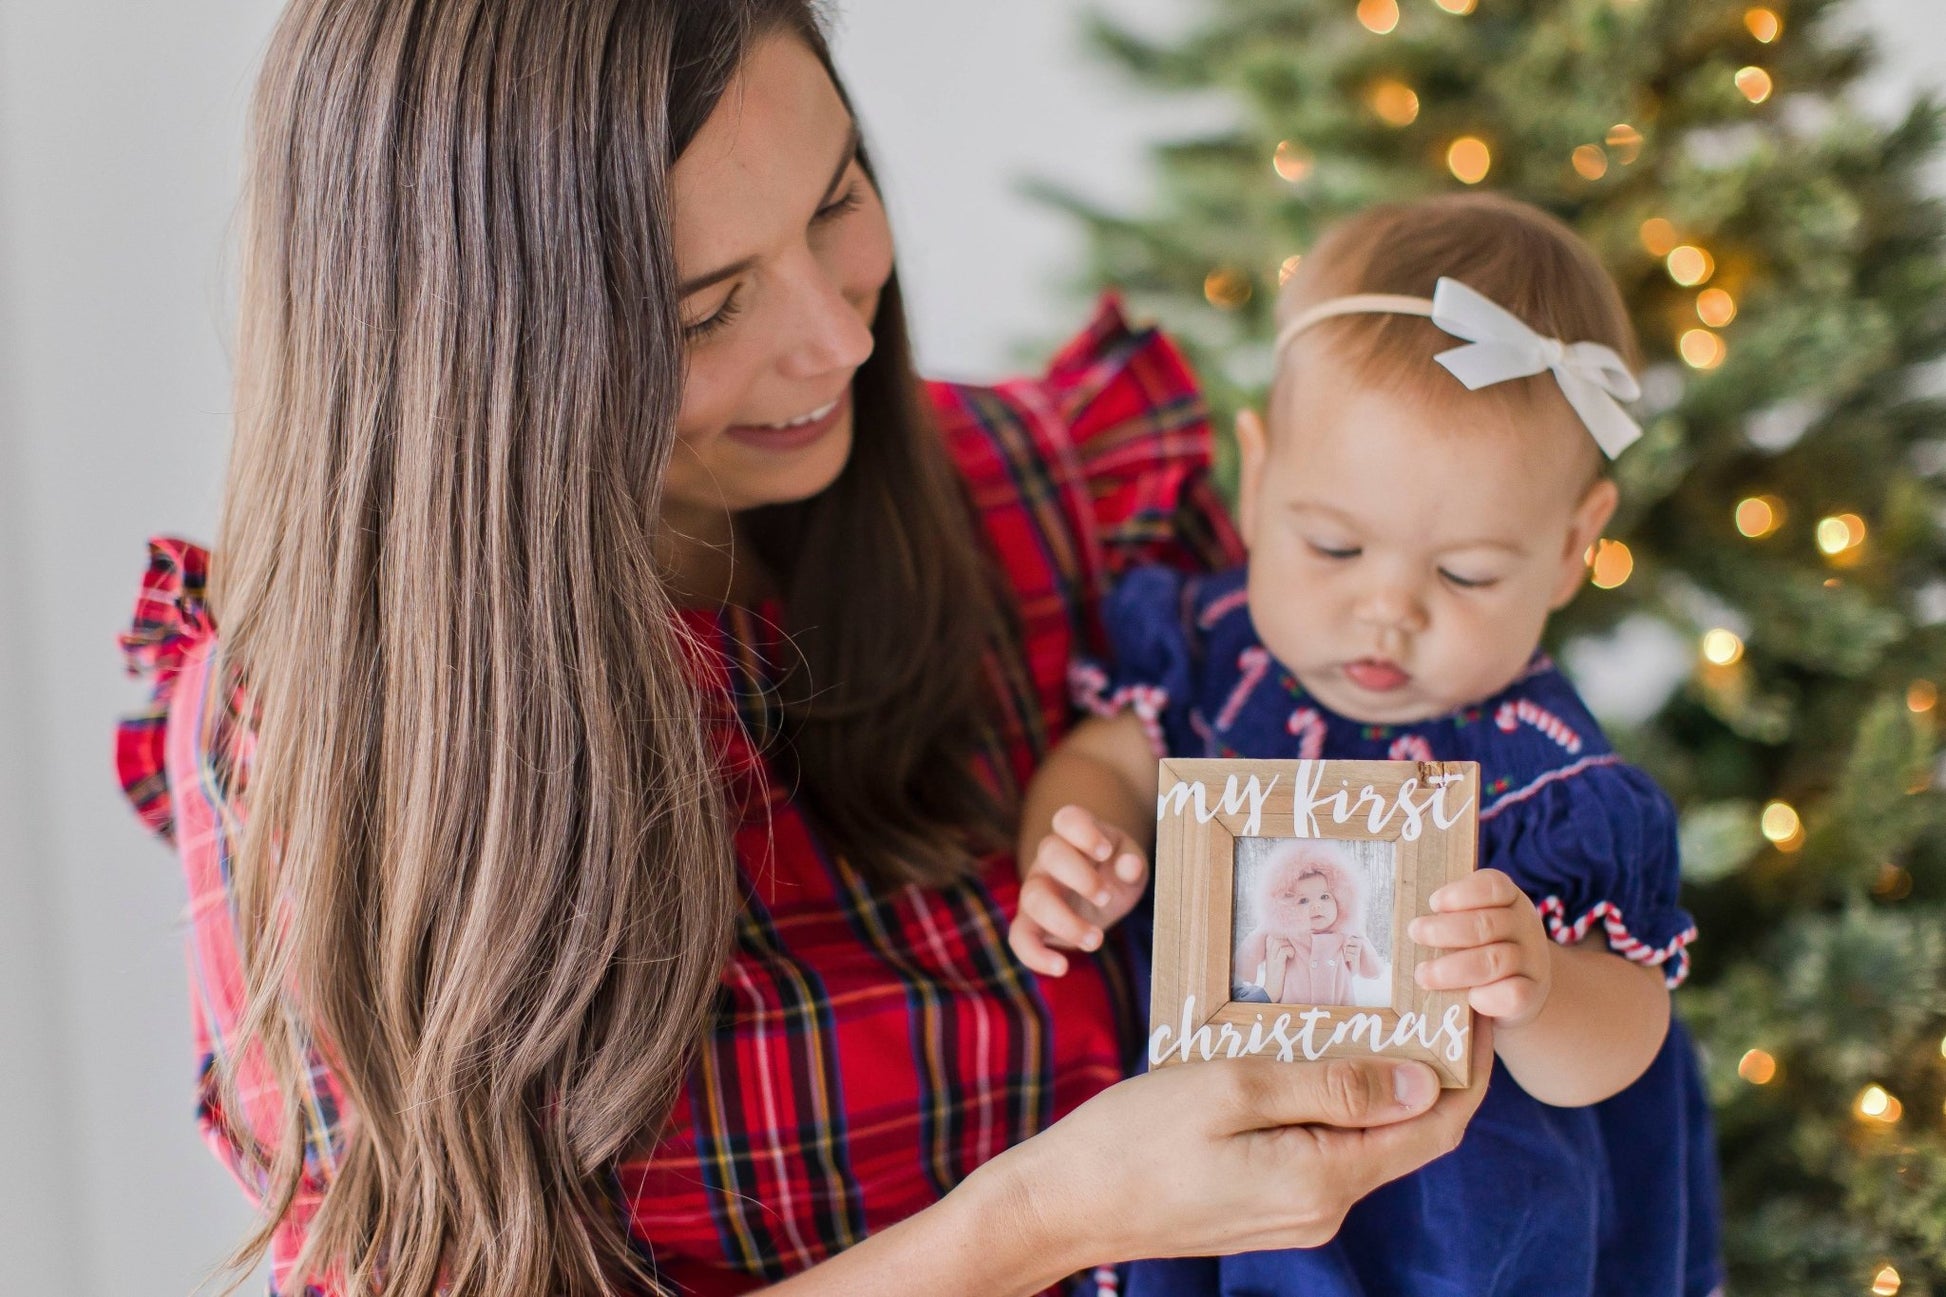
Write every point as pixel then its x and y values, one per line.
pixel 1615 1198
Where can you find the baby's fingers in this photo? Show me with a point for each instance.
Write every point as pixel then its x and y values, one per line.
pixel 1088 834
pixel 1465 929
pixel 1466 969
pixel 1060 860
pixel 1030 946
pixel 1477 891
pixel 1051 906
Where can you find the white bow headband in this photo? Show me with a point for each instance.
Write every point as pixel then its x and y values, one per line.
pixel 1593 377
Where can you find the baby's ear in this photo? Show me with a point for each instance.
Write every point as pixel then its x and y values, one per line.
pixel 1596 509
pixel 1253 444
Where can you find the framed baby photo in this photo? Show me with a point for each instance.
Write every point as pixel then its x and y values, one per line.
pixel 1282 894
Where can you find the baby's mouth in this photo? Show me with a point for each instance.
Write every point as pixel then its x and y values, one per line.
pixel 1376 675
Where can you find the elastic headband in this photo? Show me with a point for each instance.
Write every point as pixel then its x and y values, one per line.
pixel 1501 347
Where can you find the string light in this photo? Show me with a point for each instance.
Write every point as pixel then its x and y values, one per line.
pixel 1379 16
pixel 1755 84
pixel 1458 6
pixel 1658 236
pixel 1876 1103
pixel 1288 268
pixel 1722 647
pixel 1840 534
pixel 1760 516
pixel 1625 142
pixel 1226 289
pixel 1921 696
pixel 1689 265
pixel 1757 1067
pixel 1610 564
pixel 1701 349
pixel 1782 826
pixel 1764 24
pixel 1715 307
pixel 1886 1282
pixel 1293 161
pixel 1590 162
pixel 1469 159
pixel 1393 101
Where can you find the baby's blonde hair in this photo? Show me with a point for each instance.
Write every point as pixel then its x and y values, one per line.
pixel 1524 259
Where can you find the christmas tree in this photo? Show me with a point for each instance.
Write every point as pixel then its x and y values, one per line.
pixel 1786 268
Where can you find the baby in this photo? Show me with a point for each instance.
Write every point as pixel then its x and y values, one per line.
pixel 1421 498
pixel 1309 940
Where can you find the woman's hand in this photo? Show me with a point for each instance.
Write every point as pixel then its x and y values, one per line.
pixel 1202 1159
pixel 1209 1159
pixel 1501 956
pixel 1086 875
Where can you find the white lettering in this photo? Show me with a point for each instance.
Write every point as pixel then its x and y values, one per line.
pixel 1192 795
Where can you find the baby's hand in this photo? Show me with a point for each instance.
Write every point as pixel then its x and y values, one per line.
pixel 1085 876
pixel 1501 955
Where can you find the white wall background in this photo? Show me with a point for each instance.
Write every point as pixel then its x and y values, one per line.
pixel 120 129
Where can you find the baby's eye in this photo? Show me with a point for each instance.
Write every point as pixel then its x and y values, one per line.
pixel 1469 582
pixel 1335 551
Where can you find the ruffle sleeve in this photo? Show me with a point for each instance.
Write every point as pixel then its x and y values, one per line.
pixel 1594 844
pixel 1151 662
pixel 1139 429
pixel 170 627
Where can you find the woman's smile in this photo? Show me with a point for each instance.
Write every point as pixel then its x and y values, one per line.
pixel 795 434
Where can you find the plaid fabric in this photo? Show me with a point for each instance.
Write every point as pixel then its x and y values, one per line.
pixel 869 1050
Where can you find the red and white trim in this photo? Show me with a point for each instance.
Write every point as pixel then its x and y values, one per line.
pixel 1088 685
pixel 1673 958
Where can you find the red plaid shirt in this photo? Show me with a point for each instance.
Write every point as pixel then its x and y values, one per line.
pixel 869 1050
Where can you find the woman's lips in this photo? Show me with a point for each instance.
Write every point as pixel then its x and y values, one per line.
pixel 1376 675
pixel 793 436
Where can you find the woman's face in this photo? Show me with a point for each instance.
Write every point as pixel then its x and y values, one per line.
pixel 782 247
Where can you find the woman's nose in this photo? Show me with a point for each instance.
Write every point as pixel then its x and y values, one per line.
pixel 833 331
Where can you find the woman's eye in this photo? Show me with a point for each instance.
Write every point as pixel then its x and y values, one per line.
pixel 848 202
pixel 1335 551
pixel 1468 582
pixel 725 313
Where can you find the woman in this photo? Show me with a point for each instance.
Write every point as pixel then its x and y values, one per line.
pixel 553 309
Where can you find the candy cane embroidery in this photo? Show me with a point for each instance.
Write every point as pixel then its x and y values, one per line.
pixel 1409 747
pixel 1218 609
pixel 1523 712
pixel 1253 662
pixel 1308 726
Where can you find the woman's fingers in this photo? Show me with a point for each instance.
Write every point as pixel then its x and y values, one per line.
pixel 1365 1159
pixel 1063 861
pixel 1048 904
pixel 1358 1092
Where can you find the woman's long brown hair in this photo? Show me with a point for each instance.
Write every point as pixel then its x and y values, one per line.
pixel 484 874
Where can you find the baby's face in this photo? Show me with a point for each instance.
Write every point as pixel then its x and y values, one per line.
pixel 1315 902
pixel 1404 556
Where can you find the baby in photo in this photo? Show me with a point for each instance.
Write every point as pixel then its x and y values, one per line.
pixel 1417 500
pixel 1309 943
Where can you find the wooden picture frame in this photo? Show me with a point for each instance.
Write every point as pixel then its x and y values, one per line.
pixel 1428 813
